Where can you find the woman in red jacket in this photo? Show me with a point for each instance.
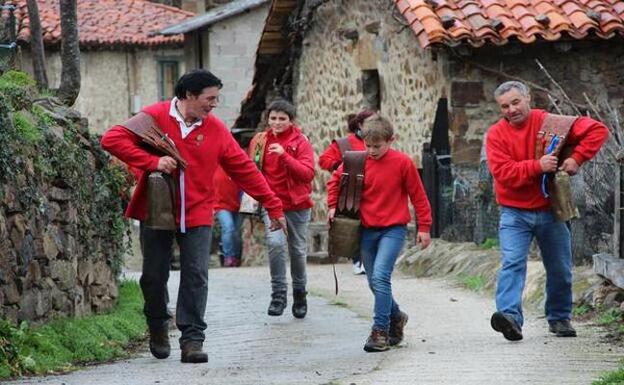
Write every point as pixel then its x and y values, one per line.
pixel 331 159
pixel 287 162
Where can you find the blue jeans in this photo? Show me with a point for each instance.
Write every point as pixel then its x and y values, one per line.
pixel 379 248
pixel 297 222
pixel 516 231
pixel 231 242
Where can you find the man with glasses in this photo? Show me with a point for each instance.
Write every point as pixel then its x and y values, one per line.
pixel 205 143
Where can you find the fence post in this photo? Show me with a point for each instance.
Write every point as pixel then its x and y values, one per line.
pixel 618 229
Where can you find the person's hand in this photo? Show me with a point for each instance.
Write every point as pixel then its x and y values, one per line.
pixel 548 163
pixel 423 239
pixel 570 166
pixel 277 224
pixel 330 215
pixel 276 148
pixel 167 164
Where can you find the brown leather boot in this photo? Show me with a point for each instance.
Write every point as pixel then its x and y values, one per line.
pixel 192 352
pixel 395 335
pixel 377 341
pixel 159 342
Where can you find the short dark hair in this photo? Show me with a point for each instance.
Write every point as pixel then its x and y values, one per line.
pixel 195 82
pixel 281 105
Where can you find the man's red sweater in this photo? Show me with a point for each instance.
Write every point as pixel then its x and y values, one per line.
pixel 388 182
pixel 332 158
pixel 510 155
pixel 290 174
pixel 228 194
pixel 206 147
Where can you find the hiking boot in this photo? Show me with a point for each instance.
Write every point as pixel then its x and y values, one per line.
pixel 300 305
pixel 159 342
pixel 278 303
pixel 561 328
pixel 192 352
pixel 504 323
pixel 395 334
pixel 377 341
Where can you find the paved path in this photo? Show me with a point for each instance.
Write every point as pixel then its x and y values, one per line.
pixel 448 341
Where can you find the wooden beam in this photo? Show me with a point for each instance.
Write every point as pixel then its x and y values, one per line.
pixel 609 267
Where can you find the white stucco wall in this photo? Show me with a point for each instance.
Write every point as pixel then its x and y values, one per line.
pixel 110 80
pixel 232 50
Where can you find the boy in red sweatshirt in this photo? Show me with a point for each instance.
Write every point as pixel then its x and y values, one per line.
pixel 205 143
pixel 517 168
pixel 390 179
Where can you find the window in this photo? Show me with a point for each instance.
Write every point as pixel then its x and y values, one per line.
pixel 168 76
pixel 371 89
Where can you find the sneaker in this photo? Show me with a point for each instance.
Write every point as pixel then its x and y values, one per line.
pixel 278 303
pixel 504 323
pixel 561 328
pixel 395 334
pixel 229 262
pixel 300 305
pixel 358 268
pixel 159 342
pixel 192 352
pixel 377 341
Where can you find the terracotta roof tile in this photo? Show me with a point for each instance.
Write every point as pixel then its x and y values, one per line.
pixel 474 20
pixel 106 23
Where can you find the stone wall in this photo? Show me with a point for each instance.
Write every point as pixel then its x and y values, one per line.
pixel 345 38
pixel 61 227
pixel 114 84
pixel 232 45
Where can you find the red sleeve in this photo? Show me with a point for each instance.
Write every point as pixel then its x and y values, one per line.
pixel 417 195
pixel 244 172
pixel 301 166
pixel 333 188
pixel 588 135
pixel 507 171
pixel 331 158
pixel 125 145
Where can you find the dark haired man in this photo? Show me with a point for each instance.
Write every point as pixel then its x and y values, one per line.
pixel 204 142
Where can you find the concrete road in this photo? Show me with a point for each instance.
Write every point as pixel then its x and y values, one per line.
pixel 448 340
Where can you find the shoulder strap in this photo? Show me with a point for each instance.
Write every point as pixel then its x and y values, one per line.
pixel 554 130
pixel 344 145
pixel 256 148
pixel 351 183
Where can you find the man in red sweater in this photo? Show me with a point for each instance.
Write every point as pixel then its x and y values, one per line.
pixel 390 179
pixel 205 143
pixel 526 210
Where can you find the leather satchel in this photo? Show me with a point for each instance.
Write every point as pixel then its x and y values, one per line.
pixel 345 229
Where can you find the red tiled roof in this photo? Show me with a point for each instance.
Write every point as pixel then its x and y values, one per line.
pixel 106 23
pixel 478 22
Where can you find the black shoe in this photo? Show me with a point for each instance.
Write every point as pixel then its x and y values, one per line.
pixel 561 328
pixel 159 342
pixel 377 341
pixel 300 305
pixel 278 303
pixel 395 334
pixel 192 352
pixel 503 323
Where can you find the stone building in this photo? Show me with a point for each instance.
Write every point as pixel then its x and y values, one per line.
pixel 124 65
pixel 411 58
pixel 224 40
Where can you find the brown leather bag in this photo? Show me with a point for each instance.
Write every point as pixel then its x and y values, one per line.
pixel 345 229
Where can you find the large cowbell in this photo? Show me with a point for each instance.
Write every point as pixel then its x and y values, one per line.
pixel 160 202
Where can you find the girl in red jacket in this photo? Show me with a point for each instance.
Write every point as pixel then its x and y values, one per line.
pixel 287 162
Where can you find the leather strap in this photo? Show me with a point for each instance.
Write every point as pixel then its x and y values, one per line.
pixel 256 148
pixel 553 125
pixel 344 145
pixel 351 184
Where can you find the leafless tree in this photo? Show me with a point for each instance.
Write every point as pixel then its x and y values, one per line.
pixel 70 53
pixel 36 45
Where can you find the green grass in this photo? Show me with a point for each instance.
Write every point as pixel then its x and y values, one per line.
pixel 612 378
pixel 489 243
pixel 581 310
pixel 609 317
pixel 26 128
pixel 472 282
pixel 64 343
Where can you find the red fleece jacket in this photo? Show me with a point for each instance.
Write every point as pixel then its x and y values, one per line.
pixel 205 148
pixel 388 182
pixel 510 155
pixel 290 175
pixel 228 194
pixel 332 158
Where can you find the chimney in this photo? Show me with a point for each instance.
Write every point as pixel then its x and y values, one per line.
pixel 195 6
